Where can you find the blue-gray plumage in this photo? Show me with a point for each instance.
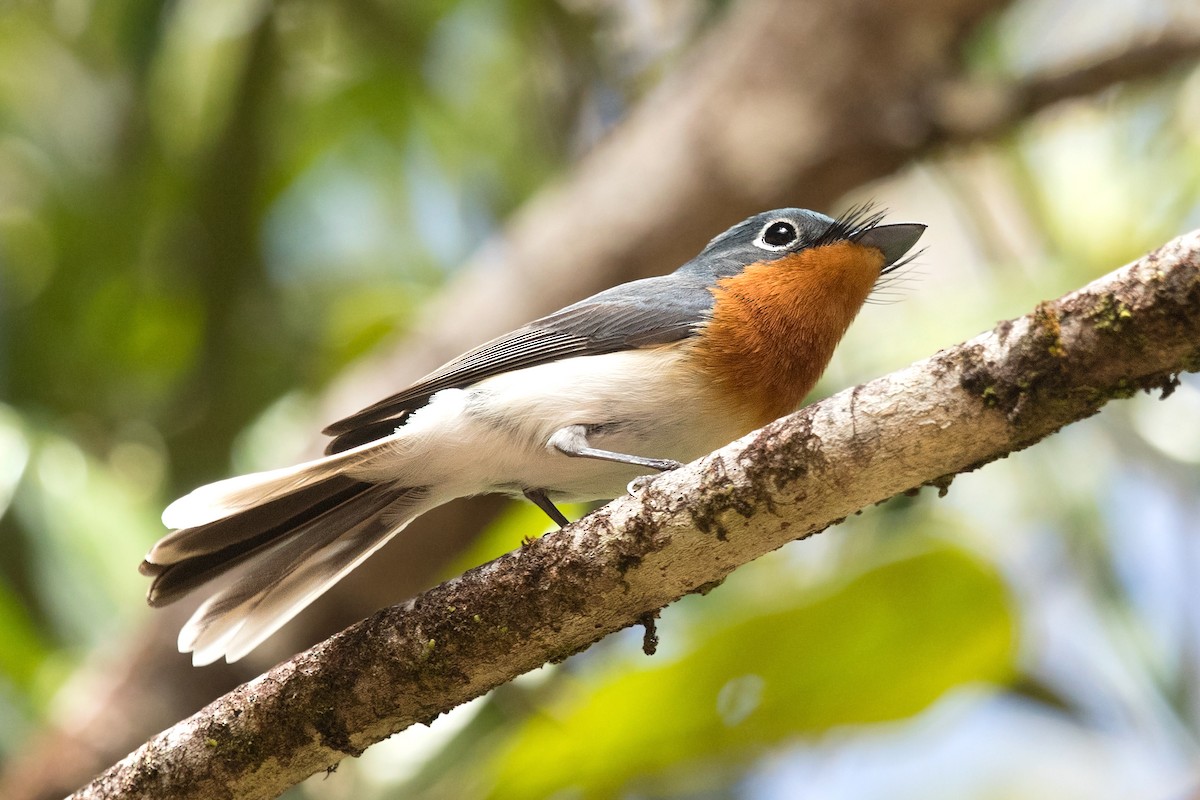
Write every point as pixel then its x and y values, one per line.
pixel 641 313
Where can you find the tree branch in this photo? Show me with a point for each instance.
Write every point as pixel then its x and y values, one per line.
pixel 969 110
pixel 965 406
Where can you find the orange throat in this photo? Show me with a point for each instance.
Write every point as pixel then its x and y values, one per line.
pixel 775 324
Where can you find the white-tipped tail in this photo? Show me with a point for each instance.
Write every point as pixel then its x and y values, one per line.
pixel 288 576
pixel 228 497
pixel 288 535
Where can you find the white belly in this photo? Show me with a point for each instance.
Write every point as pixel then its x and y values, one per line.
pixel 493 435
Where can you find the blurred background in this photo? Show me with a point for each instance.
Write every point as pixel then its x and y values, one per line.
pixel 223 223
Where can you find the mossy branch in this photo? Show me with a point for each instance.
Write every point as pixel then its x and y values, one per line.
pixel 1004 390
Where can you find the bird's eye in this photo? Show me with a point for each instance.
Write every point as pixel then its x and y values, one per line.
pixel 777 235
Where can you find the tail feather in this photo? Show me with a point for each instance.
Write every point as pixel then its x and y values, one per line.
pixel 290 535
pixel 288 576
pixel 216 501
pixel 241 530
pixel 240 618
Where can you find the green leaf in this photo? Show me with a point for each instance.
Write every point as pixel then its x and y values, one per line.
pixel 881 646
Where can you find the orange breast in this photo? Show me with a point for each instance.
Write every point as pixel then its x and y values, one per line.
pixel 774 326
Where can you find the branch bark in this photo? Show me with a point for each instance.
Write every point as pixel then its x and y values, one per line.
pixel 1002 391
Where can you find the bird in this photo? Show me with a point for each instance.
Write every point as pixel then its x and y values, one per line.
pixel 633 381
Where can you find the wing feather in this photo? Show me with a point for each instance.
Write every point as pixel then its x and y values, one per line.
pixel 643 313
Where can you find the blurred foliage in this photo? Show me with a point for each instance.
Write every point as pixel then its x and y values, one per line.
pixel 879 647
pixel 208 209
pixel 206 205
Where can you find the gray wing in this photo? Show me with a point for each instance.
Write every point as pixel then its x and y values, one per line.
pixel 641 313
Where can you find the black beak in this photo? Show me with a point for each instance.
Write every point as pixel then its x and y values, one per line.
pixel 891 240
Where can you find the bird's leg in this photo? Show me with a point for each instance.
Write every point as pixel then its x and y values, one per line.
pixel 572 441
pixel 538 498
